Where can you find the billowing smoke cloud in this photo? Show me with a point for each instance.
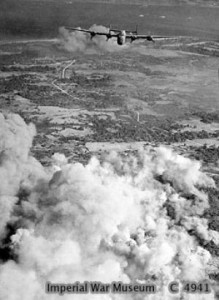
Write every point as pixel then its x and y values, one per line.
pixel 100 222
pixel 15 169
pixel 77 41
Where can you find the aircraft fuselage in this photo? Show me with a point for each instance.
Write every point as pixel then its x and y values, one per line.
pixel 121 38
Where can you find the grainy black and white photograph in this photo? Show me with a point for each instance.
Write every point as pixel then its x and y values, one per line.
pixel 109 149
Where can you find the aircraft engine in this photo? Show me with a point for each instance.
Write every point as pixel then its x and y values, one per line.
pixel 92 34
pixel 149 38
pixel 133 38
pixel 108 36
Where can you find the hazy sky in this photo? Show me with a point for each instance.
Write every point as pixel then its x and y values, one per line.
pixel 43 18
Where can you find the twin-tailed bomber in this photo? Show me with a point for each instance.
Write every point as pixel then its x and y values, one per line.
pixel 121 35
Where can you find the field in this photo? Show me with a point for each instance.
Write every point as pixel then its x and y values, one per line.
pixel 153 93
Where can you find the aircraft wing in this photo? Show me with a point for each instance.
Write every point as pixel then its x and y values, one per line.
pixel 78 29
pixel 92 32
pixel 151 38
pixel 157 37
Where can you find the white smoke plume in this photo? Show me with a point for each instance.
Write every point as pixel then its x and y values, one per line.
pixel 77 41
pixel 100 222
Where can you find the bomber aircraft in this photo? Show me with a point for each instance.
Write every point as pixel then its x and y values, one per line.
pixel 121 35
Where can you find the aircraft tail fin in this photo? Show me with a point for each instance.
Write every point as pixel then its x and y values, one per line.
pixel 135 32
pixel 136 29
pixel 113 29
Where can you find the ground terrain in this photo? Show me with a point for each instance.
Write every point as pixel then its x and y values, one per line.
pixel 163 93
